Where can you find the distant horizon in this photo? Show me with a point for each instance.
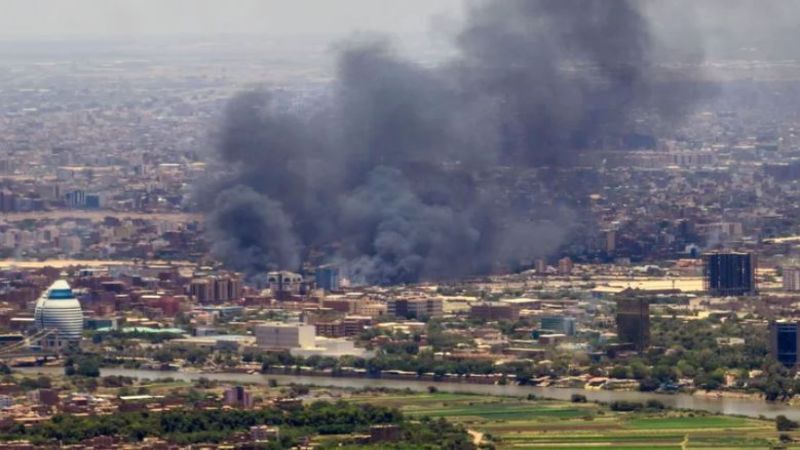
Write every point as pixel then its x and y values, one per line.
pixel 711 29
pixel 108 19
pixel 185 35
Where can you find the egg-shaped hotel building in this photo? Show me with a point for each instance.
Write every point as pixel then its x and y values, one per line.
pixel 58 309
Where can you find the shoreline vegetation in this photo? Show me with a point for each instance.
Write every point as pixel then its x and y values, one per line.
pixel 342 417
pixel 499 381
pixel 474 379
pixel 431 382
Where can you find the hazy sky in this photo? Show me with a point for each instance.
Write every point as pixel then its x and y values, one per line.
pixel 40 18
pixel 722 26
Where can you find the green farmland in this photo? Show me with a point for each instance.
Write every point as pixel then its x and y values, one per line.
pixel 510 423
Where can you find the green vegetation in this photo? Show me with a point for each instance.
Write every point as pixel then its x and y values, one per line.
pixel 578 398
pixel 693 351
pixel 40 382
pixel 500 411
pixel 681 350
pixel 687 423
pixel 508 423
pixel 82 365
pixel 192 426
pixel 425 434
pixel 696 350
pixel 120 339
pixel 782 423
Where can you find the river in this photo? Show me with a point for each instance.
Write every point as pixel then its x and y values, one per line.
pixel 722 405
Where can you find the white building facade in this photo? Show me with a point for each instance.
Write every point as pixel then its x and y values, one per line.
pixel 791 278
pixel 285 335
pixel 58 309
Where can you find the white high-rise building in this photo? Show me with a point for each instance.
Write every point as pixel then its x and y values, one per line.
pixel 791 278
pixel 285 335
pixel 58 309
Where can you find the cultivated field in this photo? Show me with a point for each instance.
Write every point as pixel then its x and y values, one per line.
pixel 518 424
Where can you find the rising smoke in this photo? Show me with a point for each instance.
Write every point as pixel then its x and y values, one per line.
pixel 392 174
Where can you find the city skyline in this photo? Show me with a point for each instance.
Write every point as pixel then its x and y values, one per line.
pixel 480 225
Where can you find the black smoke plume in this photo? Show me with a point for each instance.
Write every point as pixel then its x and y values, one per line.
pixel 394 172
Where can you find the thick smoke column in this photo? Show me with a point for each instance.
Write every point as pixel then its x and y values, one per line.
pixel 393 173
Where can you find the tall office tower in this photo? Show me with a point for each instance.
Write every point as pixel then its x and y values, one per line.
pixel 784 340
pixel 558 324
pixel 729 273
pixel 633 322
pixel 58 310
pixel 565 266
pixel 238 396
pixel 327 278
pixel 216 289
pixel 202 289
pixel 284 284
pixel 234 287
pixel 221 289
pixel 8 201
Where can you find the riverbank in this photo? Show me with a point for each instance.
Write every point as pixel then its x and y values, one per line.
pixel 493 379
pixel 722 405
pixel 517 423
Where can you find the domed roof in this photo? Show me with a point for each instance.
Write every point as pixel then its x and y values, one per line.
pixel 59 309
pixel 60 284
pixel 60 290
